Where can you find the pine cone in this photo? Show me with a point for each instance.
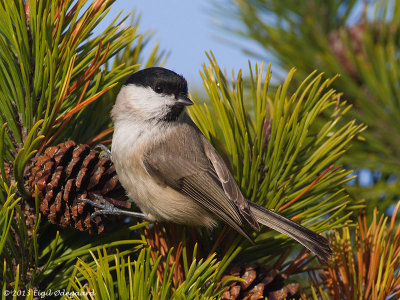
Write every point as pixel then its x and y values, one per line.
pixel 68 172
pixel 339 47
pixel 8 171
pixel 260 281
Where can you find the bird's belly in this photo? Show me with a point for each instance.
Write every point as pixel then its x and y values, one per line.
pixel 160 202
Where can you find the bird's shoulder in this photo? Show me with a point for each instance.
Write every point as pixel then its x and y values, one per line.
pixel 179 145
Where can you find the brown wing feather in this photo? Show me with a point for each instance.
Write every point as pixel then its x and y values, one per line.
pixel 180 162
pixel 229 185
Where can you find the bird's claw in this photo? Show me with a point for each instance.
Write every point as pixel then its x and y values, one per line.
pixel 106 152
pixel 107 208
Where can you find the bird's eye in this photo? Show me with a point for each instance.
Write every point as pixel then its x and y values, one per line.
pixel 158 89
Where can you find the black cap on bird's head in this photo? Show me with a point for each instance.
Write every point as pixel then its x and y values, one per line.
pixel 152 94
pixel 162 81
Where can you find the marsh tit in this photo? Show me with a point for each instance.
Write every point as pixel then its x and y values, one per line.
pixel 173 173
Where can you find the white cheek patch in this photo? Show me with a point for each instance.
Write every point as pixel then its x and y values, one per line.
pixel 143 103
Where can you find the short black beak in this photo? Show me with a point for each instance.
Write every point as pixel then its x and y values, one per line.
pixel 184 101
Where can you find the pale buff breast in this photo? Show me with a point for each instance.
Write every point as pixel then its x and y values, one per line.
pixel 158 201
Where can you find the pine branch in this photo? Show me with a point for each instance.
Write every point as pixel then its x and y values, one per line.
pixel 139 279
pixel 366 260
pixel 359 41
pixel 60 79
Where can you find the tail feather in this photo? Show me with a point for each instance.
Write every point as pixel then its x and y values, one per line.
pixel 309 239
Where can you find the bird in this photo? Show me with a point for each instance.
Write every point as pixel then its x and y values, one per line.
pixel 173 173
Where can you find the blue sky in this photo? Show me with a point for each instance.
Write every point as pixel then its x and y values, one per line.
pixel 187 30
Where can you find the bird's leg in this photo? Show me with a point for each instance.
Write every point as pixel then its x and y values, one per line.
pixel 106 153
pixel 107 208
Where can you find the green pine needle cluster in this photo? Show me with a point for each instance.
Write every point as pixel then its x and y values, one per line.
pixel 356 39
pixel 138 279
pixel 57 82
pixel 360 41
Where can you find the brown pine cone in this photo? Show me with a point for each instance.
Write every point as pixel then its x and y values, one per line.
pixel 260 281
pixel 68 172
pixel 339 47
pixel 8 171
